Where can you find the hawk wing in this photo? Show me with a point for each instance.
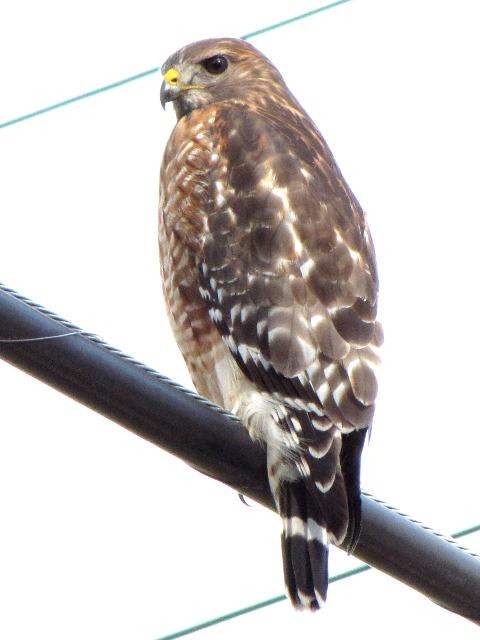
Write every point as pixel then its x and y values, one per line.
pixel 288 269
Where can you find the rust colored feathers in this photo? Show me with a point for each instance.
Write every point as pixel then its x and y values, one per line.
pixel 271 286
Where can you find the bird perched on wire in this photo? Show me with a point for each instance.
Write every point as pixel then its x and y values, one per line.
pixel 271 286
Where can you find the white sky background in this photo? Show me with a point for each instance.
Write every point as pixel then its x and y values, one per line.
pixel 104 536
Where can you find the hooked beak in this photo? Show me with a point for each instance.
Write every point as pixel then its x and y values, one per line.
pixel 171 86
pixel 168 93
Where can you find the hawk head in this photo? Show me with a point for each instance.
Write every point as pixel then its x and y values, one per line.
pixel 210 71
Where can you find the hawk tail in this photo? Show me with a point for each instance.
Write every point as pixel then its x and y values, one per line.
pixel 317 494
pixel 304 546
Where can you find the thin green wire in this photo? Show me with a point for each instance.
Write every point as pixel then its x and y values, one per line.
pixel 290 20
pixel 254 607
pixel 267 603
pixel 143 74
pixel 89 94
pixel 466 532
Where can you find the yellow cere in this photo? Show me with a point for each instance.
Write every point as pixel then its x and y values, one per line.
pixel 172 77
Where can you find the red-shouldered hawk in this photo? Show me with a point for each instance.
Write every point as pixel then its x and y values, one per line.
pixel 271 287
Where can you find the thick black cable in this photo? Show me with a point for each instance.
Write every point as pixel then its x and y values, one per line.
pixel 85 368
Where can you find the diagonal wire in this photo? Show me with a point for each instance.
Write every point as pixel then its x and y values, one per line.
pixel 31 321
pixel 82 96
pixel 302 16
pixel 466 532
pixel 143 74
pixel 74 330
pixel 266 603
pixel 253 607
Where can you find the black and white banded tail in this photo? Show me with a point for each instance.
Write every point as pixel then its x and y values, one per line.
pixel 304 547
pixel 318 506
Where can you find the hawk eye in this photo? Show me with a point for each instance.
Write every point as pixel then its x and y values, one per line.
pixel 215 65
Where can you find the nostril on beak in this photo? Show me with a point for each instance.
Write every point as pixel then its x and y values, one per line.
pixel 172 77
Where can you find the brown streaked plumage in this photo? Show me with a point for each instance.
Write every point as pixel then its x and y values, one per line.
pixel 271 286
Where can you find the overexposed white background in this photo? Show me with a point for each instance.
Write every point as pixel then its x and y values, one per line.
pixel 104 536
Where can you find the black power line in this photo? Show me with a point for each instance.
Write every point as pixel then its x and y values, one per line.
pixel 83 367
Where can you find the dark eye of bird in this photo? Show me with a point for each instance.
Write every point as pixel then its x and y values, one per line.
pixel 215 65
